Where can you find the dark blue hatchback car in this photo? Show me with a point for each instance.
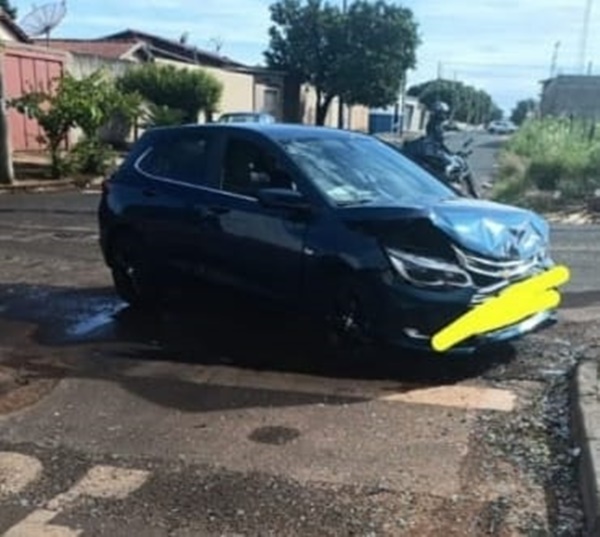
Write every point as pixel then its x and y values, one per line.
pixel 327 221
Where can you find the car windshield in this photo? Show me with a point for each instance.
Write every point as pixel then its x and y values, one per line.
pixel 359 170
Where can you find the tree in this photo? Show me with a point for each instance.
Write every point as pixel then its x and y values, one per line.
pixel 361 55
pixel 523 110
pixel 165 86
pixel 468 104
pixel 6 6
pixel 87 103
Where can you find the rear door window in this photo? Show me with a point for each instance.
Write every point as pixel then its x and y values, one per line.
pixel 183 159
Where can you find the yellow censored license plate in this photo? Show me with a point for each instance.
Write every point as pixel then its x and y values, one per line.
pixel 514 304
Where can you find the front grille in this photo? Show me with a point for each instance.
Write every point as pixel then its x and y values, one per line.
pixel 506 270
pixel 491 276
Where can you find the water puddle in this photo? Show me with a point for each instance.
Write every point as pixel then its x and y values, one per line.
pixel 90 322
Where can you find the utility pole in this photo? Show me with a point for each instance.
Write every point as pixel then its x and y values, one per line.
pixel 454 96
pixel 584 36
pixel 6 165
pixel 340 100
pixel 554 59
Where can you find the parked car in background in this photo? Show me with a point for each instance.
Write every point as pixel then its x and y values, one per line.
pixel 322 220
pixel 502 127
pixel 246 117
pixel 451 126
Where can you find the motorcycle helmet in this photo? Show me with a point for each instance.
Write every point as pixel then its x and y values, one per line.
pixel 440 110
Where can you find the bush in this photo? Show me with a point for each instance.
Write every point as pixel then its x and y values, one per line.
pixel 549 155
pixel 189 90
pixel 511 182
pixel 509 191
pixel 511 165
pixel 91 157
pixel 163 116
pixel 545 174
pixel 88 103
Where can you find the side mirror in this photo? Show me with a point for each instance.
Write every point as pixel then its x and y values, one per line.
pixel 283 198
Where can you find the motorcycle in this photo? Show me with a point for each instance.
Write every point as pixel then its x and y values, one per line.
pixel 451 168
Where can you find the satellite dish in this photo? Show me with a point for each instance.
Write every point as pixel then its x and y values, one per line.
pixel 42 20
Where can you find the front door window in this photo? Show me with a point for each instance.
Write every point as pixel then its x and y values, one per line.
pixel 248 168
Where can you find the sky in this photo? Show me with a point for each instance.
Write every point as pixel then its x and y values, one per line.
pixel 504 47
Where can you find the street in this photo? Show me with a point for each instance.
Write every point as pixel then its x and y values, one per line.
pixel 227 419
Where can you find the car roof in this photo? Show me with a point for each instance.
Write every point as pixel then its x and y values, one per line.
pixel 242 114
pixel 274 131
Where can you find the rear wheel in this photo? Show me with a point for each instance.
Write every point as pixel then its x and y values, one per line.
pixel 130 275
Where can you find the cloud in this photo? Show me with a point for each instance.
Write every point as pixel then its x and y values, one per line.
pixel 503 46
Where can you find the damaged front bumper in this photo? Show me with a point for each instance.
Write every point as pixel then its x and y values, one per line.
pixel 413 339
pixel 453 322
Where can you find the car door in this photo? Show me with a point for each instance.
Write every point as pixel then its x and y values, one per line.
pixel 177 171
pixel 262 247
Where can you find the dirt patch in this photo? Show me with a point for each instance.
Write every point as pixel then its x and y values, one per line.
pixel 18 390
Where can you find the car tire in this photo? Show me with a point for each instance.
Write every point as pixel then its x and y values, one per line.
pixel 131 276
pixel 350 333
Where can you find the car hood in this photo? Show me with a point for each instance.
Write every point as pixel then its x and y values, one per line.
pixel 487 228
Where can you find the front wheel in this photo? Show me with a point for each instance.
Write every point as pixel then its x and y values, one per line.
pixel 350 331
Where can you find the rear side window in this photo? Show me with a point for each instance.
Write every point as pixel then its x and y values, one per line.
pixel 182 159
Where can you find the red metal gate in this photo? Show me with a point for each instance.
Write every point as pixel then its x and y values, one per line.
pixel 27 68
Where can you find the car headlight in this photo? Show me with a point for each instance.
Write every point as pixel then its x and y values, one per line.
pixel 428 272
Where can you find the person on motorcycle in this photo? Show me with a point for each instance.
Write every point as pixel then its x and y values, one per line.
pixel 434 142
pixel 439 114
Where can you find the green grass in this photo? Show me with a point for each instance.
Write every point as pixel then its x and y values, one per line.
pixel 550 155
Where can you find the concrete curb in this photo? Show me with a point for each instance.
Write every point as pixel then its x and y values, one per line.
pixel 50 186
pixel 21 186
pixel 586 431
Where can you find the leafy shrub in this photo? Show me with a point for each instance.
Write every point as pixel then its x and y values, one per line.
pixel 557 154
pixel 509 190
pixel 511 165
pixel 189 90
pixel 91 157
pixel 163 116
pixel 545 174
pixel 87 103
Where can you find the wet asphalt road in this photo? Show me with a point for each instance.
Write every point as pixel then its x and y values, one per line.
pixel 230 420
